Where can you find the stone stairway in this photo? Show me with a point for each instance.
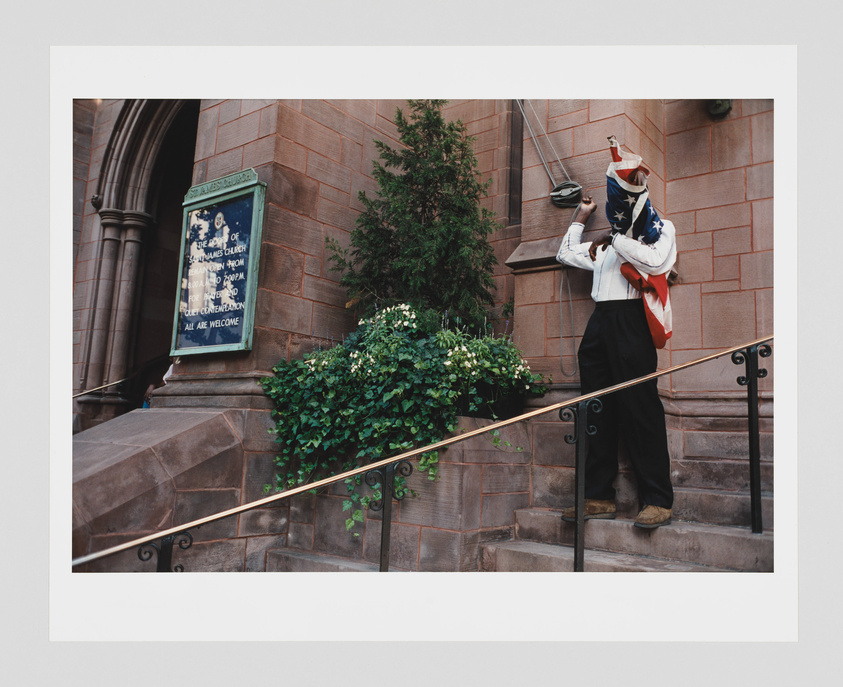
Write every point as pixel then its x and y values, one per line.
pixel 710 531
pixel 544 542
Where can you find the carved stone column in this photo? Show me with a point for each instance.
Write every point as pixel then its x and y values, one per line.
pixel 111 221
pixel 134 226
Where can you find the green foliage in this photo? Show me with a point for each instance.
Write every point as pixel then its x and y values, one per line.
pixel 396 383
pixel 424 239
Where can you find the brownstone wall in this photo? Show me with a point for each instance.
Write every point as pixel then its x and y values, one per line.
pixel 93 122
pixel 713 179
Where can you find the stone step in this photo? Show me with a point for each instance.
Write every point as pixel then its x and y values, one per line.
pixel 720 507
pixel 707 473
pixel 286 560
pixel 734 548
pixel 527 556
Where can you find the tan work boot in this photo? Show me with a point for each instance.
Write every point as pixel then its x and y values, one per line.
pixel 653 516
pixel 594 508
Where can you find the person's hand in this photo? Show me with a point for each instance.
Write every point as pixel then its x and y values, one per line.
pixel 601 241
pixel 587 206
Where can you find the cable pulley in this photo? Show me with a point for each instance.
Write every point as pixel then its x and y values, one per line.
pixel 567 194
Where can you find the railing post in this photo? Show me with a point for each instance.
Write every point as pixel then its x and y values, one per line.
pixel 580 419
pixel 165 551
pixel 749 357
pixel 386 480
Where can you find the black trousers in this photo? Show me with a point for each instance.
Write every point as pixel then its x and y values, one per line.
pixel 615 348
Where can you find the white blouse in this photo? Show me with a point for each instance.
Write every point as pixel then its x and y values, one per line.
pixel 609 284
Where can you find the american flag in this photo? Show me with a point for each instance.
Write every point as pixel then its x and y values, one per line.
pixel 627 199
pixel 627 196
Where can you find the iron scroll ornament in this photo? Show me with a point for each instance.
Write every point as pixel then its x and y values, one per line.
pixel 165 551
pixel 375 478
pixel 595 405
pixel 745 357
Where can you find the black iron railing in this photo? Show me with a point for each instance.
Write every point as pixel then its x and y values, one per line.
pixel 577 410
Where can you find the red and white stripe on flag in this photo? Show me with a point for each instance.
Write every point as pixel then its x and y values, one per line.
pixel 656 297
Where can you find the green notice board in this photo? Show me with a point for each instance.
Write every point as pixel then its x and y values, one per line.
pixel 220 251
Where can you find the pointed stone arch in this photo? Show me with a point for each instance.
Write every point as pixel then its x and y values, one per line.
pixel 125 202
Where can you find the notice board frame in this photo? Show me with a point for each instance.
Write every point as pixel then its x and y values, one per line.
pixel 229 189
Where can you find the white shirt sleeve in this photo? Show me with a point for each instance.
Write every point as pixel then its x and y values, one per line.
pixel 572 252
pixel 653 258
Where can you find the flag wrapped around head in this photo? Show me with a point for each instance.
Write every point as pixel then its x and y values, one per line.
pixel 627 197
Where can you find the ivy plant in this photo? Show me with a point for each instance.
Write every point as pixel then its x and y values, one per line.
pixel 398 382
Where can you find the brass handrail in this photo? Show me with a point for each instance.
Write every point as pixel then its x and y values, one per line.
pixel 147 364
pixel 408 454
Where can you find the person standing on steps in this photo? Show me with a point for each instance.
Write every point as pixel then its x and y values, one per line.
pixel 621 337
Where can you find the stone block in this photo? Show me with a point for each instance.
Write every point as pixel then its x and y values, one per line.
pixel 280 311
pixel 751 107
pixel 439 550
pixel 686 306
pixel 727 267
pixel 225 163
pixel 500 479
pixel 300 535
pixel 757 270
pixel 568 120
pixel 736 215
pixel 259 470
pixel 592 137
pixel 553 487
pixel 529 329
pixel 302 508
pixel 762 137
pixel 238 131
pixel 257 549
pixel 268 347
pixel 206 134
pixel 681 115
pixel 229 110
pixel 330 535
pixel 730 145
pixel 689 242
pixel 694 266
pixel 726 445
pixel 549 445
pixel 213 556
pixel 732 241
pixel 728 319
pixel 328 171
pixel 334 118
pixel 762 225
pixel 688 154
pixel 324 291
pixel 308 133
pixel 290 190
pixel 120 488
pixel 289 154
pixel 263 521
pixel 336 215
pixel 403 545
pixel 534 287
pixel 721 286
pixel 759 181
pixel 361 109
pixel 452 501
pixel 259 152
pixel 336 321
pixel 223 469
pixel 706 191
pixel 764 311
pixel 281 269
pixel 499 509
pixel 192 505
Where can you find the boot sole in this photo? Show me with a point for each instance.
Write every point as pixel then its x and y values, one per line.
pixel 653 525
pixel 598 516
